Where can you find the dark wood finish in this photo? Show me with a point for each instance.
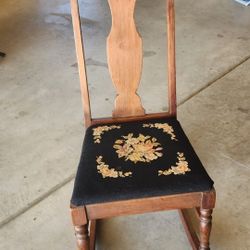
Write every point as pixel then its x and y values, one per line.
pixel 208 199
pixel 124 50
pixel 207 203
pixel 92 234
pixel 81 226
pixel 79 216
pixel 205 228
pixel 137 206
pixel 82 237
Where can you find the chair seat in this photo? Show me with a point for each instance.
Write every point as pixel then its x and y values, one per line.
pixel 135 160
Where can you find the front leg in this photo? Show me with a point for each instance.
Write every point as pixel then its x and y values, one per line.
pixel 82 237
pixel 205 228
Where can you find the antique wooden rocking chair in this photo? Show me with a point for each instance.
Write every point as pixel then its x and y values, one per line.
pixel 135 162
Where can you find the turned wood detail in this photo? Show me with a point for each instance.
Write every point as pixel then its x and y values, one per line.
pixel 82 237
pixel 205 228
pixel 124 53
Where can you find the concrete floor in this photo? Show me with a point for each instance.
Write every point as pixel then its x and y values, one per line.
pixel 41 130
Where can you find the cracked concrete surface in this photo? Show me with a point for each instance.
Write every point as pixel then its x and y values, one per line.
pixel 41 129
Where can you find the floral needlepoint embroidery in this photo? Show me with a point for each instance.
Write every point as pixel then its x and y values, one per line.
pixel 141 148
pixel 98 131
pixel 164 126
pixel 180 168
pixel 106 171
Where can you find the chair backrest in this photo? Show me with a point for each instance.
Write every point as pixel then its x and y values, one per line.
pixel 124 50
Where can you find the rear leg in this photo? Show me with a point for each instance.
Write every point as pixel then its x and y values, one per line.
pixel 92 234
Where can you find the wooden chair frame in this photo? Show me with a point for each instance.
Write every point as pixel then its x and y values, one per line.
pixel 84 218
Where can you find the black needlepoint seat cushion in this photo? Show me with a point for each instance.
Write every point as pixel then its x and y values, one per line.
pixel 133 160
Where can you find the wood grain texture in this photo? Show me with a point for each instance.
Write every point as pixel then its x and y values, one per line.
pixel 124 51
pixel 137 206
pixel 81 61
pixel 171 57
pixel 79 216
pixel 130 119
pixel 182 201
pixel 208 199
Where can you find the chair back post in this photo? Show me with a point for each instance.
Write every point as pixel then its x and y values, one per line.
pixel 171 58
pixel 76 21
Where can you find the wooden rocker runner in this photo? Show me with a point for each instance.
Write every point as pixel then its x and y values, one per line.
pixel 134 162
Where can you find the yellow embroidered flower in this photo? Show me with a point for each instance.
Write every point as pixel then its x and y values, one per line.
pixel 105 171
pixel 180 168
pixel 98 131
pixel 164 126
pixel 141 148
pixel 123 150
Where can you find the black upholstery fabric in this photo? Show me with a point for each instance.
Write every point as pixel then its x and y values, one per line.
pixel 90 186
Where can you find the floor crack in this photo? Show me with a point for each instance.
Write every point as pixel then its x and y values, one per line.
pixel 214 80
pixel 37 200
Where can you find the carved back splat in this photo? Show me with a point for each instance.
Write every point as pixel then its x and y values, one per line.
pixel 124 50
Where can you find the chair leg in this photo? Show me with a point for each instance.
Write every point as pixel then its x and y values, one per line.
pixel 82 237
pixel 92 234
pixel 205 228
pixel 189 229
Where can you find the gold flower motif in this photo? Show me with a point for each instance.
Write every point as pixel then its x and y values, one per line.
pixel 164 126
pixel 141 148
pixel 180 168
pixel 106 171
pixel 98 131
